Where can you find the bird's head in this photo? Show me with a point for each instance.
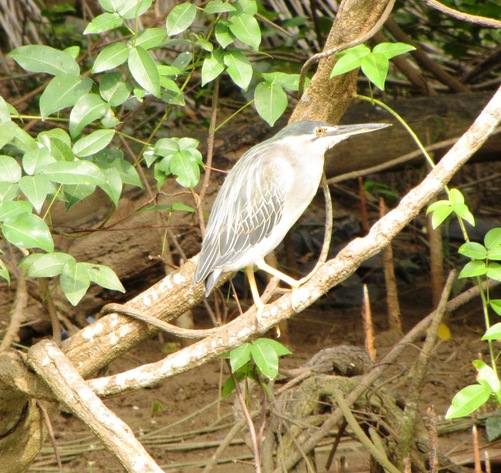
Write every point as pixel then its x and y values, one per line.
pixel 322 136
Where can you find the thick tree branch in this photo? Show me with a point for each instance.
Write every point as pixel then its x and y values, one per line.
pixel 327 276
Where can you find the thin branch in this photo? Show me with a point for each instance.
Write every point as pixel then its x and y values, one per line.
pixel 17 313
pixel 70 388
pixel 477 19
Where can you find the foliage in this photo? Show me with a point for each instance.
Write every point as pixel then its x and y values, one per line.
pixel 255 360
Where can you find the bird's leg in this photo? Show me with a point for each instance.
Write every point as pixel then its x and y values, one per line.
pixel 249 271
pixel 263 266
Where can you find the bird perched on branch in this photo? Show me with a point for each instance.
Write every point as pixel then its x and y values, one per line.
pixel 263 196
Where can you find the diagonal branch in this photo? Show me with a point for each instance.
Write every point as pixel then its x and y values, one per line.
pixel 328 275
pixel 477 19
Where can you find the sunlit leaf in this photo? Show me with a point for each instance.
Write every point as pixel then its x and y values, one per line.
pixel 63 91
pixel 28 231
pixel 10 170
pixel 88 108
pixel 110 56
pixel 41 58
pixel 144 70
pixel 468 400
pixel 238 67
pixel 36 189
pixel 93 143
pixel 46 265
pixel 270 101
pixel 246 28
pixel 104 22
pixel 180 18
pixel 74 281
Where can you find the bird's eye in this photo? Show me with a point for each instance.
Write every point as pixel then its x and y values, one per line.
pixel 320 131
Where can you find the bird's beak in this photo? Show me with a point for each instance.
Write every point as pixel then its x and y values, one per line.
pixel 345 131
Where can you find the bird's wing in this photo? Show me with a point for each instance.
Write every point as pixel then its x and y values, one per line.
pixel 247 208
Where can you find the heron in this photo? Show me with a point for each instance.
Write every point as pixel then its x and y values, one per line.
pixel 262 197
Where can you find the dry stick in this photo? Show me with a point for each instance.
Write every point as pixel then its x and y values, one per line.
pixel 223 445
pixel 50 430
pixel 330 52
pixel 436 259
pixel 210 154
pixel 367 380
pixel 419 371
pixel 477 19
pixel 70 388
pixel 431 425
pixel 379 456
pixel 370 347
pixel 424 60
pixel 16 314
pixel 337 440
pixel 476 449
pixel 392 303
pixel 43 285
pixel 395 162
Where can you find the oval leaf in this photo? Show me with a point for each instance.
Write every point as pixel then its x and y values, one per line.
pixel 10 171
pixel 180 18
pixel 270 101
pixel 93 143
pixel 239 68
pixel 63 91
pixel 468 400
pixel 28 231
pixel 41 58
pixel 246 28
pixel 110 56
pixel 88 108
pixel 75 172
pixel 74 281
pixel 36 188
pixel 104 276
pixel 144 70
pixel 45 266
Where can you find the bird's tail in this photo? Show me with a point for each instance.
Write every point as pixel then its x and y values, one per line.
pixel 211 281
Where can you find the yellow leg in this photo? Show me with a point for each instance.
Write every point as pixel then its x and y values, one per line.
pixel 262 265
pixel 249 271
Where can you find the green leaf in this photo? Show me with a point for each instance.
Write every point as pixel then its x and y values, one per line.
pixel 247 6
pixel 77 172
pixel 212 66
pixel 240 356
pixel 36 188
pixel 28 231
pixel 171 92
pixel 468 400
pixel 10 171
pixel 280 349
pixel 265 357
pixel 473 269
pixel 462 211
pixel 114 159
pixel 12 209
pixel 270 101
pixel 183 60
pixel 493 332
pixel 246 28
pixel 74 193
pixel 93 143
pixel 73 51
pixel 4 111
pixel 167 70
pixel 350 59
pixel 132 8
pixel 45 266
pixel 8 192
pixel 473 250
pixel 104 22
pixel 456 196
pixel 218 6
pixel 493 427
pixel 110 57
pixel 287 81
pixel 74 281
pixel 63 91
pixel 223 34
pixel 151 38
pixel 4 272
pixel 186 168
pixel 45 137
pixel 104 276
pixel 375 66
pixel 41 58
pixel 494 254
pixel 166 146
pixel 485 374
pixel 238 67
pixel 496 305
pixel 34 161
pixel 88 108
pixel 144 70
pixel 390 50
pixel 440 214
pixel 494 271
pixel 113 89
pixel 112 185
pixel 7 133
pixel 492 238
pixel 180 18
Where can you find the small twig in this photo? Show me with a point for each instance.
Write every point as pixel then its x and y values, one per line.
pixel 379 456
pixel 46 296
pixel 249 421
pixel 210 154
pixel 370 347
pixel 223 445
pixel 419 371
pixel 50 430
pixel 330 52
pixel 339 435
pixel 476 449
pixel 392 303
pixel 431 426
pixel 16 314
pixel 477 19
